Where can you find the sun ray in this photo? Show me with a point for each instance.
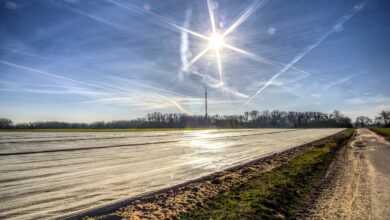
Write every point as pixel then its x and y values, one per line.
pixel 219 64
pixel 249 54
pixel 176 104
pixel 215 40
pixel 261 59
pixel 196 58
pixel 248 12
pixel 306 51
pixel 193 33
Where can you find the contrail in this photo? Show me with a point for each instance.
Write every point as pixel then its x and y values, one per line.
pixel 71 89
pixel 185 31
pixel 214 83
pixel 56 76
pixel 219 65
pixel 97 18
pixel 168 99
pixel 196 58
pixel 175 103
pixel 145 85
pixel 184 46
pixel 261 59
pixel 54 92
pixel 248 12
pixel 53 75
pixel 158 18
pixel 210 7
pixel 21 52
pixel 336 28
pixel 338 82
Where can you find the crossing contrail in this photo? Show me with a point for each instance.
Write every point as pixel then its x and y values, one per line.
pixel 336 28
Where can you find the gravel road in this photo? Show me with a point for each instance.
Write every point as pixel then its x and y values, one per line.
pixel 361 185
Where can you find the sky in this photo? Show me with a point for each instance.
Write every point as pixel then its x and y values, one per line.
pixel 93 60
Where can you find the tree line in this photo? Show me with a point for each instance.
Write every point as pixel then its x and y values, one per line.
pixel 382 120
pixel 251 119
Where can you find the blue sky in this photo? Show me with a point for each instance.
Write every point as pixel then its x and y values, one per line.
pixel 91 60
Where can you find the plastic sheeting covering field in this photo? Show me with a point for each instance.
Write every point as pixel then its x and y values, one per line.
pixel 48 175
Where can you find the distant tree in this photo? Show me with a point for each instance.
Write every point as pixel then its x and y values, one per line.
pixel 254 114
pixel 251 119
pixel 363 121
pixel 23 125
pixel 246 116
pixel 385 115
pixel 5 123
pixel 378 122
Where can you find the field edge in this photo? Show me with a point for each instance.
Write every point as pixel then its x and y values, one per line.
pixel 187 197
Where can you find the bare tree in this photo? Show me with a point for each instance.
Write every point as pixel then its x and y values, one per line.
pixel 363 121
pixel 254 114
pixel 252 119
pixel 385 115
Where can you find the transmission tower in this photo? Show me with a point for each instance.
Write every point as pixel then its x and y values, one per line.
pixel 205 101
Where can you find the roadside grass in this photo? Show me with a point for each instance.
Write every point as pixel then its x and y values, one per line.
pixel 277 194
pixel 102 129
pixel 382 131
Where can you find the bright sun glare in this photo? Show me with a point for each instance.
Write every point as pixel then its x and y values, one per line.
pixel 216 41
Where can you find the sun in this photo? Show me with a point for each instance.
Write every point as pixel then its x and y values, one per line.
pixel 216 41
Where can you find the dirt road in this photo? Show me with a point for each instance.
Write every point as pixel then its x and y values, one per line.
pixel 360 186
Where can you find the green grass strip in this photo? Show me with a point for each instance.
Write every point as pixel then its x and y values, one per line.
pixel 277 194
pixel 385 132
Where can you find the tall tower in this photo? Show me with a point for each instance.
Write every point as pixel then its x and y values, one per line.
pixel 205 102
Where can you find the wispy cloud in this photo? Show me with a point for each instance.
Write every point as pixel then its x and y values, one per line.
pixel 271 31
pixel 371 110
pixel 127 56
pixel 11 5
pixel 114 92
pixel 366 104
pixel 366 100
pixel 307 50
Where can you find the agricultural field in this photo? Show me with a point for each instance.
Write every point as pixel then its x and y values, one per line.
pixel 54 174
